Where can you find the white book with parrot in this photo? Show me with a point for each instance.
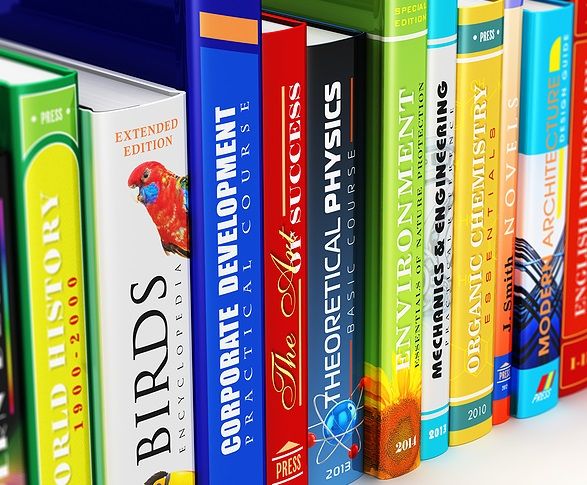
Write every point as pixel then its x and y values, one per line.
pixel 136 233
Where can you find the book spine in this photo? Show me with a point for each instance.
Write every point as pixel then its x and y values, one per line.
pixel 440 152
pixel 140 295
pixel 286 247
pixel 335 178
pixel 224 102
pixel 92 301
pixel 12 425
pixel 544 138
pixel 573 372
pixel 504 290
pixel 396 97
pixel 51 282
pixel 480 42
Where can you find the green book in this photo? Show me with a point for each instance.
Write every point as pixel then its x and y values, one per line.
pixel 39 134
pixel 395 154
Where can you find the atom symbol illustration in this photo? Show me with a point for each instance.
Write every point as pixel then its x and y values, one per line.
pixel 340 426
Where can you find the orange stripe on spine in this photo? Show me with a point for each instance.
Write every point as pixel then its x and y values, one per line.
pixel 231 29
pixel 352 109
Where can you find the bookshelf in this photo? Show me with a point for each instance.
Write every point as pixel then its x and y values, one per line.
pixel 517 452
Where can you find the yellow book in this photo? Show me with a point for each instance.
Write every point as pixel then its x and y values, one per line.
pixel 39 155
pixel 479 67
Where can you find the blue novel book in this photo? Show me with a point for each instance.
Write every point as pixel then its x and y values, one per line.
pixel 211 50
pixel 542 179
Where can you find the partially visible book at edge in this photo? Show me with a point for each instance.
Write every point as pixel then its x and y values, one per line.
pixel 189 44
pixel 395 149
pixel 39 100
pixel 573 366
pixel 12 386
pixel 540 226
pixel 335 220
pixel 135 132
pixel 286 249
pixel 438 253
pixel 479 71
pixel 508 177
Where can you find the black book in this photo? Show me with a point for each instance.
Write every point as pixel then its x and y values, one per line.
pixel 335 177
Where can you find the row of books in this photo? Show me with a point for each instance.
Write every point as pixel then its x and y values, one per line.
pixel 337 243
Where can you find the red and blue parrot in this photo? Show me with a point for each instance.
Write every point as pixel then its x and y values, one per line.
pixel 165 196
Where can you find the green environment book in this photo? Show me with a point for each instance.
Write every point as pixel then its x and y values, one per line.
pixel 39 132
pixel 395 154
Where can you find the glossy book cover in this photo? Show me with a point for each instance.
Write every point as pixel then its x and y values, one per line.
pixel 542 183
pixel 479 67
pixel 508 177
pixel 286 249
pixel 140 289
pixel 336 154
pixel 394 240
pixel 43 139
pixel 440 153
pixel 224 100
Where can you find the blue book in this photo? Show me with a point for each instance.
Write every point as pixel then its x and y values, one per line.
pixel 227 229
pixel 544 138
pixel 211 50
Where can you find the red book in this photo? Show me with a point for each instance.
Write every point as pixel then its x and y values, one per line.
pixel 574 322
pixel 286 281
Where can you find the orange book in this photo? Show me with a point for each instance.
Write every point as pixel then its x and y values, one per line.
pixel 504 292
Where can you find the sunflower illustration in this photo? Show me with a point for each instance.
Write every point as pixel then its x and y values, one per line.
pixel 391 422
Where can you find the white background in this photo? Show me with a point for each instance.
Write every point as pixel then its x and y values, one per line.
pixel 548 449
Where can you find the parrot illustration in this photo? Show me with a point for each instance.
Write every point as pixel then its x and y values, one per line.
pixel 165 196
pixel 175 478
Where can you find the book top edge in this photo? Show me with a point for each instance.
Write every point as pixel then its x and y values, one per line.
pixel 96 80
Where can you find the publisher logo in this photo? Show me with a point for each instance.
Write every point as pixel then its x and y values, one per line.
pixel 502 377
pixel 544 389
pixel 287 463
pixel 504 373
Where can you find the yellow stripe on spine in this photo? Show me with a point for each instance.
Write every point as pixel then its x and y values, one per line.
pixel 555 55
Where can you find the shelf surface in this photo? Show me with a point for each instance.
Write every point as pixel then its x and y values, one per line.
pixel 547 449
